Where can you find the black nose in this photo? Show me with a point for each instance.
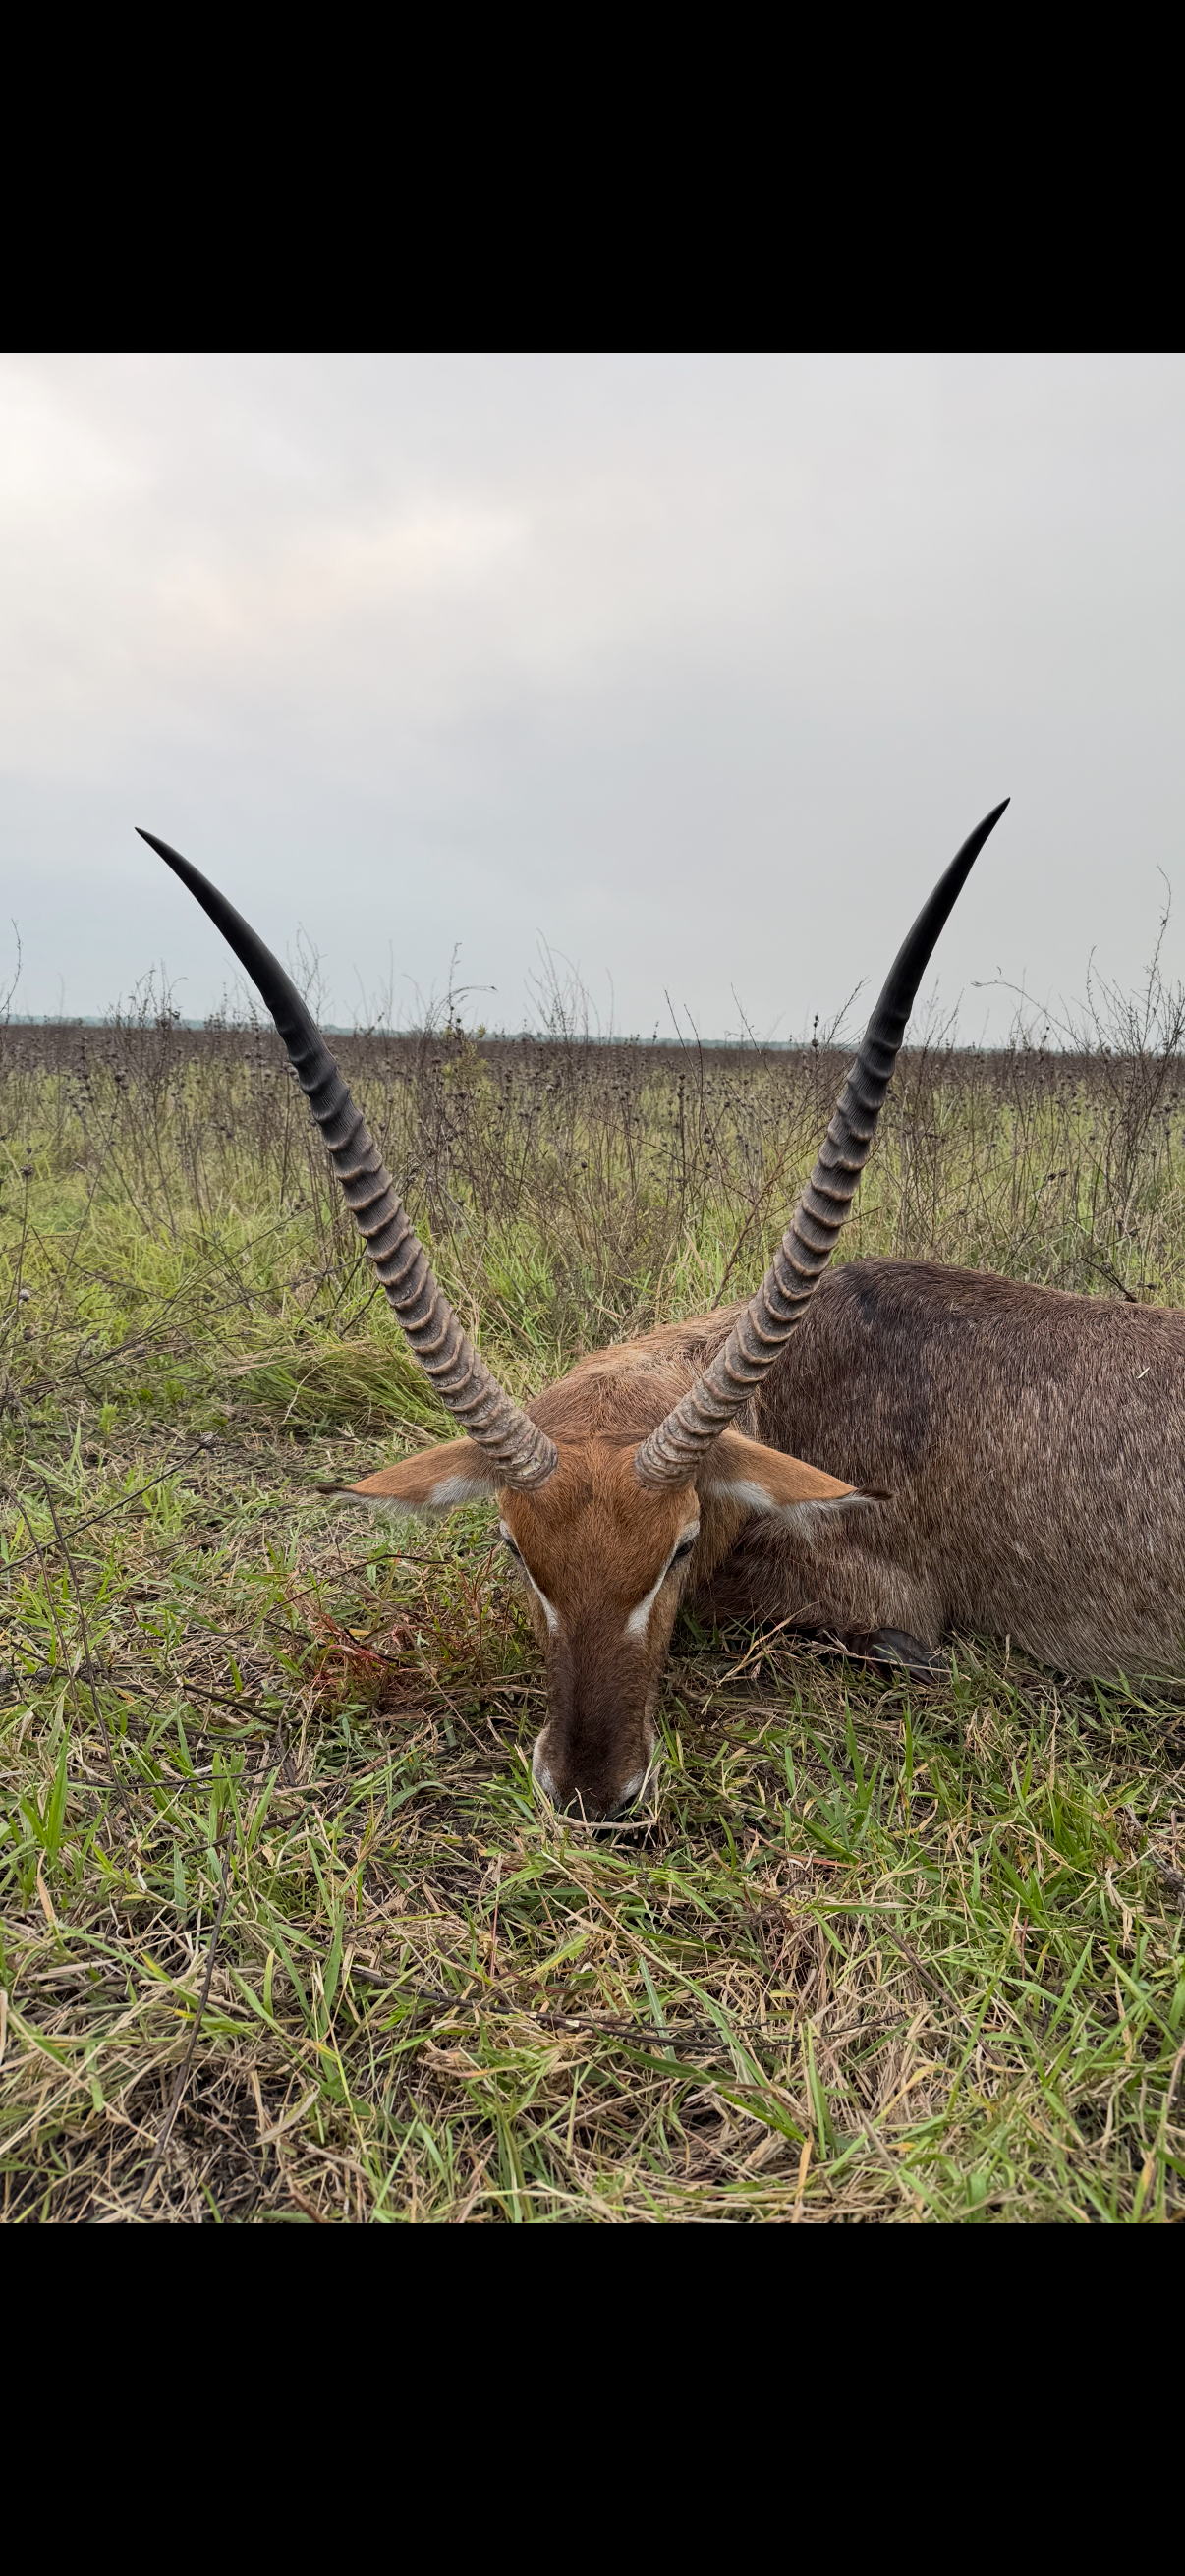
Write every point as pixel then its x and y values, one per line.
pixel 599 1809
pixel 598 1805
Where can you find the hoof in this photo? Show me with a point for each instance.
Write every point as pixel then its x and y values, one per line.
pixel 885 1650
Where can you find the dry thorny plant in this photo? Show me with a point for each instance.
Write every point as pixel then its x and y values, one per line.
pixel 873 1953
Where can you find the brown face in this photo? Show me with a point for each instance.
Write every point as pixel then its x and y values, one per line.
pixel 603 1562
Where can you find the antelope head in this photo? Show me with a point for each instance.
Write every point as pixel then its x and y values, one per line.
pixel 603 1525
pixel 602 1559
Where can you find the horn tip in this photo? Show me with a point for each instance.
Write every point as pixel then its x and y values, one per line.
pixel 990 821
pixel 161 847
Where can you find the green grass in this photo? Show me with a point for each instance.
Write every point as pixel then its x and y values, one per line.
pixel 878 1954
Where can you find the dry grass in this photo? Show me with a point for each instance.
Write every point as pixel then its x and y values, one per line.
pixel 876 1955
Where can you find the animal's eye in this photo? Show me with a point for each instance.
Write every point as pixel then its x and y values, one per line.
pixel 684 1548
pixel 508 1544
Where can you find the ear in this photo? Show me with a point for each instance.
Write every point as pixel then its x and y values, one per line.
pixel 432 1482
pixel 745 1472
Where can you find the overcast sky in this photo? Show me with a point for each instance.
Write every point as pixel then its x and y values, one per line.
pixel 699 668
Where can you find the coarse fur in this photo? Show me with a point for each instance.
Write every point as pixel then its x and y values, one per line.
pixel 1030 1445
pixel 1033 1446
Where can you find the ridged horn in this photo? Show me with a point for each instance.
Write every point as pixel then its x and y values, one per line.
pixel 670 1455
pixel 524 1456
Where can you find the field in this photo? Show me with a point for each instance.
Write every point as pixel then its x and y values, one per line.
pixel 286 1935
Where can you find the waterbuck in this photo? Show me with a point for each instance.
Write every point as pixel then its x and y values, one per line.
pixel 875 1457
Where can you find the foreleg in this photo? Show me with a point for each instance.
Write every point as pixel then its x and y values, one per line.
pixel 835 1596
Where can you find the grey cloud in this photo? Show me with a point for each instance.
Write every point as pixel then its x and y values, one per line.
pixel 700 666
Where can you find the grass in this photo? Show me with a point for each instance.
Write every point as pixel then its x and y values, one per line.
pixel 878 1954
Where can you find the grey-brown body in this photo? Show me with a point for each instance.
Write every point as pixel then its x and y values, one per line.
pixel 1032 1445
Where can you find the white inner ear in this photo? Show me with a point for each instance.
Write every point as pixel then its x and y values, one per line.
pixel 459 1489
pixel 804 1518
pixel 451 1490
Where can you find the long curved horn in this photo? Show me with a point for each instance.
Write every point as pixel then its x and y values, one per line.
pixel 524 1455
pixel 670 1454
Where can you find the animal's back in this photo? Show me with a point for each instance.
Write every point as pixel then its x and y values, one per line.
pixel 1033 1444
